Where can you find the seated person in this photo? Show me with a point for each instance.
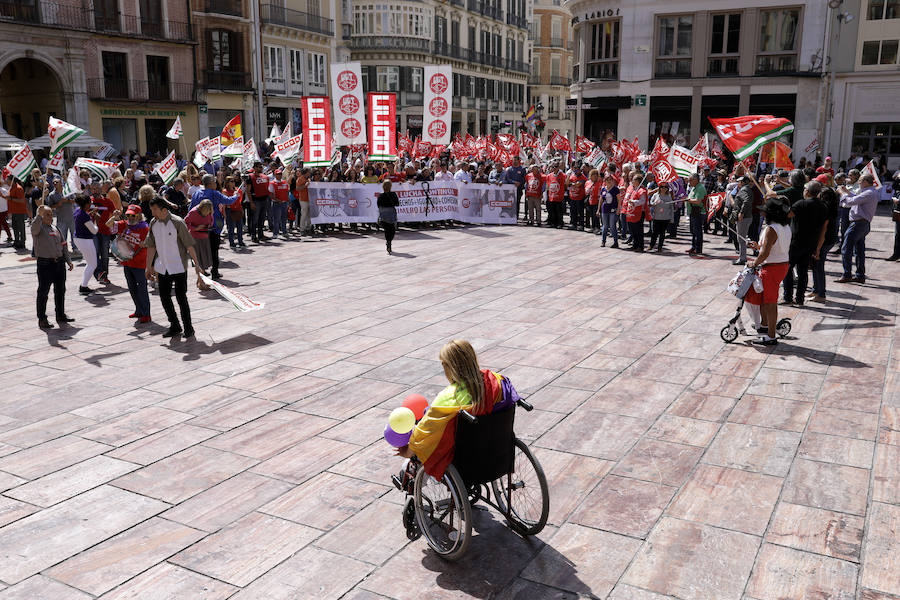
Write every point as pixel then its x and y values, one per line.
pixel 479 391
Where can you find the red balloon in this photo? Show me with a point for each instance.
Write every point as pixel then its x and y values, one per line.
pixel 416 403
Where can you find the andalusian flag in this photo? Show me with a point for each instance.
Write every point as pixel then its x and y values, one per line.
pixel 176 131
pixel 745 135
pixel 235 149
pixel 230 134
pixel 73 184
pixel 62 134
pixel 22 163
pixel 99 169
pixel 250 155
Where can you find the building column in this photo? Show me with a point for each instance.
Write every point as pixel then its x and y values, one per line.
pixel 696 103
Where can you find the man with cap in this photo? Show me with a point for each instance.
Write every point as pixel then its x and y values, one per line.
pixel 52 259
pixel 131 235
pixel 219 201
pixel 279 195
pixel 862 211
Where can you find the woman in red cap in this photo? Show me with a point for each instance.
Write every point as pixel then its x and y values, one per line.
pixel 131 234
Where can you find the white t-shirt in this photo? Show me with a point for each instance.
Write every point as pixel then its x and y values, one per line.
pixel 780 252
pixel 168 257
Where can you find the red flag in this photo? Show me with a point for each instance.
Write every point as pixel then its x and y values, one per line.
pixel 231 131
pixel 558 142
pixel 316 111
pixel 778 154
pixel 633 150
pixel 660 151
pixel 713 203
pixel 745 135
pixel 423 149
pixel 663 172
pixel 382 121
pixel 583 145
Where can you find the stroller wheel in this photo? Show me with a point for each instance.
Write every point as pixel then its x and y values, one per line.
pixel 729 333
pixel 783 328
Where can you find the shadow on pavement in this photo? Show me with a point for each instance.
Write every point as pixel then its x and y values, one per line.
pixel 194 348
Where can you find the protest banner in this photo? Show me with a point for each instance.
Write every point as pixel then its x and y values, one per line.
pixel 349 113
pixel 382 126
pixel 437 102
pixel 317 130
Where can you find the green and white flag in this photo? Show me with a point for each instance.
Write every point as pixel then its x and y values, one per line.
pixel 22 163
pixel 168 169
pixel 73 184
pixel 236 149
pixel 99 169
pixel 62 134
pixel 176 131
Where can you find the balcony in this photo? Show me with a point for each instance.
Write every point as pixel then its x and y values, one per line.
pixel 557 80
pixel 397 43
pixel 449 50
pixel 516 21
pixel 226 80
pixel 65 16
pixel 139 90
pixel 286 17
pixel 276 86
pixel 235 8
pixel 486 8
pixel 722 67
pixel 517 65
pixel 776 64
pixel 534 80
pixel 556 42
pixel 46 13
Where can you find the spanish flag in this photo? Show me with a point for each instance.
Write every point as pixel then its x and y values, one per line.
pixel 434 438
pixel 231 132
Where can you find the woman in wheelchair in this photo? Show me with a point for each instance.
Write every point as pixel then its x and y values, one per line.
pixel 465 442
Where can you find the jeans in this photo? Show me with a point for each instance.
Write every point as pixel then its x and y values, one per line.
pixel 577 217
pixel 800 259
pixel 609 222
pixel 278 217
pixel 235 222
pixel 855 241
pixel 637 234
pixel 101 241
pixel 696 221
pixel 818 269
pixel 844 220
pixel 51 272
pixel 179 282
pixel 18 227
pixel 743 228
pixel 258 218
pixel 137 287
pixel 623 227
pixel 658 230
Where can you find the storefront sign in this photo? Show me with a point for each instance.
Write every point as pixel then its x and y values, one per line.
pixel 413 121
pixel 137 112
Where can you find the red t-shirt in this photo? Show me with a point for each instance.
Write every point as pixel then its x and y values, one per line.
pixel 134 237
pixel 576 186
pixel 17 205
pixel 105 208
pixel 534 185
pixel 279 189
pixel 260 185
pixel 394 177
pixel 593 192
pixel 556 187
pixel 635 203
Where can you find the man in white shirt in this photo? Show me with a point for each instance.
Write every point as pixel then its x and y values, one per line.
pixel 463 174
pixel 168 245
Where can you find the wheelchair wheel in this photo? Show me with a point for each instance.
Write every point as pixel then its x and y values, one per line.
pixel 729 333
pixel 529 502
pixel 443 513
pixel 783 328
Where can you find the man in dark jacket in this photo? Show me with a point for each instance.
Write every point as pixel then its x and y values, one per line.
pixel 807 226
pixel 742 217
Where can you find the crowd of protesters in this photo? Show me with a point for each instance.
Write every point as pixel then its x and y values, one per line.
pixel 151 229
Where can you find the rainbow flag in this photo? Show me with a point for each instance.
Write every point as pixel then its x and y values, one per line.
pixel 434 438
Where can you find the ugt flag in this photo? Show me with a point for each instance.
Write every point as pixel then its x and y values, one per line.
pixel 62 134
pixel 745 135
pixel 21 164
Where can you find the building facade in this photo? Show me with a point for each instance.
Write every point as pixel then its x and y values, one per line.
pixel 863 117
pixel 485 41
pixel 551 66
pixel 653 68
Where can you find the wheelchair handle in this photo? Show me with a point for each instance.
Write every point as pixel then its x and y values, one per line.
pixel 525 405
pixel 468 416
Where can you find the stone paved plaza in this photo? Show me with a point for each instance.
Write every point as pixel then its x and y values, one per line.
pixel 249 463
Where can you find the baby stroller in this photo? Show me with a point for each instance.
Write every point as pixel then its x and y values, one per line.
pixel 489 461
pixel 739 287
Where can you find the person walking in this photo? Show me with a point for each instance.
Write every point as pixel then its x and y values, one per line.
pixel 131 235
pixel 199 220
pixel 807 230
pixel 387 213
pixel 169 243
pixel 830 204
pixel 85 230
pixel 52 259
pixel 662 210
pixel 862 211
pixel 278 194
pixel 773 260
pixel 696 206
pixel 219 202
pixel 592 188
pixel 105 208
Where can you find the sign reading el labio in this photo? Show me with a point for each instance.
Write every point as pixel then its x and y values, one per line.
pixel 139 112
pixel 604 13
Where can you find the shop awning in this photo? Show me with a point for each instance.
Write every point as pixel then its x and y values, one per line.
pixel 85 142
pixel 9 142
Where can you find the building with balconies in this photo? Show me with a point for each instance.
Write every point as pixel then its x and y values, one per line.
pixel 485 41
pixel 652 68
pixel 299 39
pixel 551 69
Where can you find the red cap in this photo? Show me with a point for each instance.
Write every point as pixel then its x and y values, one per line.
pixel 134 209
pixel 824 178
pixel 279 171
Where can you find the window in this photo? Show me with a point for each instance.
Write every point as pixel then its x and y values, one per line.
pixel 158 77
pixel 603 58
pixel 388 79
pixel 554 105
pixel 223 46
pixel 556 32
pixel 673 58
pixel 554 65
pixel 273 66
pixel 724 44
pixel 315 64
pixel 440 30
pixel 296 66
pixel 115 74
pixel 778 41
pixel 882 52
pixel 883 9
pixel 417 78
pixel 312 7
pixel 454 33
pixel 876 138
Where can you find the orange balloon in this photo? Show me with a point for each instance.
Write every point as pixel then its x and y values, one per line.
pixel 416 403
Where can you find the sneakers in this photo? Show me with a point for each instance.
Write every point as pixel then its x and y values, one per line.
pixel 172 332
pixel 133 316
pixel 188 332
pixel 45 324
pixel 765 341
pixel 858 279
pixel 84 291
pixel 844 279
pixel 144 319
pixel 64 318
pixel 739 262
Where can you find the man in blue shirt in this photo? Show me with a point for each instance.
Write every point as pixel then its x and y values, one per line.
pixel 218 199
pixel 515 174
pixel 862 211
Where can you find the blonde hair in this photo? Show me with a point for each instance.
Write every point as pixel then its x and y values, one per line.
pixel 205 204
pixel 146 193
pixel 386 186
pixel 461 364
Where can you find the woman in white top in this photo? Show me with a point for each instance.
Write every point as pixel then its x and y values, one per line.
pixel 773 261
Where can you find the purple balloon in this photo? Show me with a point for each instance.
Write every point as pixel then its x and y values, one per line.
pixel 397 440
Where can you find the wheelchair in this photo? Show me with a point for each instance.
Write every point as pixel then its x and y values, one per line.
pixel 488 461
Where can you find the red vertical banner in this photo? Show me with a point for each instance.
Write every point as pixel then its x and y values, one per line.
pixel 316 111
pixel 382 121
